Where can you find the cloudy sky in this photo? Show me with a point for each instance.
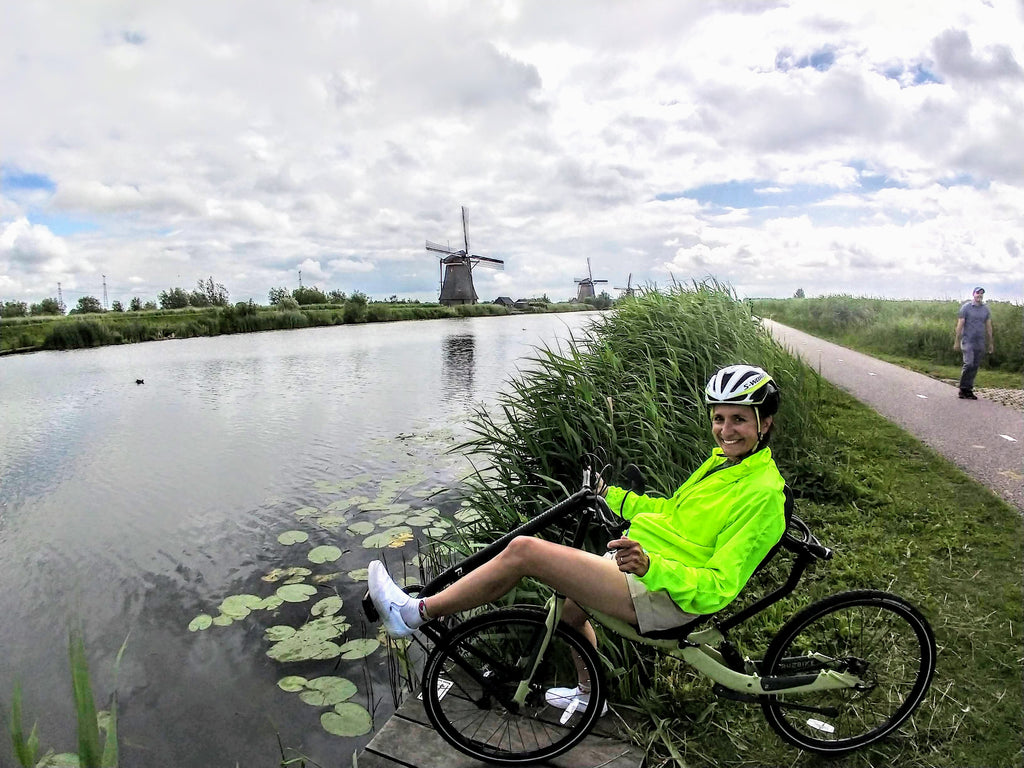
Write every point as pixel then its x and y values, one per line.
pixel 872 147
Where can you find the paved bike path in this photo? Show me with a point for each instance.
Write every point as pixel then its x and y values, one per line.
pixel 983 438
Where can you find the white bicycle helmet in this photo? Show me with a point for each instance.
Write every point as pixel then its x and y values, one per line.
pixel 744 385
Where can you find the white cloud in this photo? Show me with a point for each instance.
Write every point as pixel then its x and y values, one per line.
pixel 159 144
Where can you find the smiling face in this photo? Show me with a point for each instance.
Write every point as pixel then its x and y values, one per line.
pixel 734 428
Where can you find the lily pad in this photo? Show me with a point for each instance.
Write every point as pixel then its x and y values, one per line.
pixel 393 537
pixel 295 579
pixel 268 603
pixel 331 522
pixel 278 632
pixel 296 593
pixel 359 574
pixel 297 648
pixel 328 691
pixel 389 521
pixel 239 606
pixel 420 521
pixel 292 683
pixel 359 648
pixel 325 553
pixel 293 537
pixel 222 620
pixel 468 515
pixel 327 607
pixel 325 578
pixel 306 511
pixel 200 622
pixel 361 528
pixel 435 533
pixel 61 760
pixel 347 719
pixel 281 573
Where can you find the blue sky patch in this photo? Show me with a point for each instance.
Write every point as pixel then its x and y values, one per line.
pixel 12 179
pixel 754 194
pixel 63 226
pixel 923 75
pixel 918 74
pixel 821 60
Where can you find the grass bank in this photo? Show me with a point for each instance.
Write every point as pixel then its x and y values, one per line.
pixel 914 334
pixel 899 517
pixel 30 334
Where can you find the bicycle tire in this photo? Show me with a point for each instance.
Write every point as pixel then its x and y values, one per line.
pixel 472 710
pixel 877 635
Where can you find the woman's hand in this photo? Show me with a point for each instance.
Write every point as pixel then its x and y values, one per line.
pixel 630 556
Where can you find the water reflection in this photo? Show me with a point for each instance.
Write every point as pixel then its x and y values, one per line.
pixel 457 366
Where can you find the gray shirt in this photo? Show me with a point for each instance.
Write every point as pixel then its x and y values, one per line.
pixel 974 316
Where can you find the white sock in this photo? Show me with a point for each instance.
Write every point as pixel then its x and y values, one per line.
pixel 411 614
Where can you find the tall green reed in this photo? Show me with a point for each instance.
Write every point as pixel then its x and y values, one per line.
pixel 91 753
pixel 631 387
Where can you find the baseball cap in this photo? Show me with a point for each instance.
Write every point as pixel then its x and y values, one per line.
pixel 979 289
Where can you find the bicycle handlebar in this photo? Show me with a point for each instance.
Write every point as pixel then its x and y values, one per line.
pixel 807 543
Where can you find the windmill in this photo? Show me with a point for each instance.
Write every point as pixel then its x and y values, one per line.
pixel 586 290
pixel 457 269
pixel 629 290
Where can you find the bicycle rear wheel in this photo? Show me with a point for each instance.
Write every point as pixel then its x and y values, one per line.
pixel 471 676
pixel 878 636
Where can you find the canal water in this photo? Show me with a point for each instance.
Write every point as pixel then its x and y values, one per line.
pixel 132 510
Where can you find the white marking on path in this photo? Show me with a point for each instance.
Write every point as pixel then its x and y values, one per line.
pixel 872 374
pixel 923 397
pixel 1007 437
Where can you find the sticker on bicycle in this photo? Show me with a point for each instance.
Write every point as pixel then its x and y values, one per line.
pixel 570 710
pixel 443 686
pixel 820 726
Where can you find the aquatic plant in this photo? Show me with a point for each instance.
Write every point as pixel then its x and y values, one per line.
pixel 378 514
pixel 90 721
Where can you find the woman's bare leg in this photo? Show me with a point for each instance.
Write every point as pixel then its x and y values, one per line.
pixel 576 618
pixel 585 578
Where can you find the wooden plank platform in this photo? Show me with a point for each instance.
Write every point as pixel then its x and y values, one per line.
pixel 408 739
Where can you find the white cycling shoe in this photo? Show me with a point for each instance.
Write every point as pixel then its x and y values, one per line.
pixel 388 598
pixel 570 699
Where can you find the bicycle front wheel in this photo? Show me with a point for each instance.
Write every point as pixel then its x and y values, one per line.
pixel 879 637
pixel 471 678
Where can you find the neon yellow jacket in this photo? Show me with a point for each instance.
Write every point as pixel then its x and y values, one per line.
pixel 706 540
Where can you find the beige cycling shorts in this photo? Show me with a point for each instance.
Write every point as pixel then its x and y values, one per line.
pixel 654 610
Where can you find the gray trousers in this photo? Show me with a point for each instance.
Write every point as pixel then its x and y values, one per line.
pixel 973 355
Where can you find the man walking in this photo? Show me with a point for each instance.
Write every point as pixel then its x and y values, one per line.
pixel 973 338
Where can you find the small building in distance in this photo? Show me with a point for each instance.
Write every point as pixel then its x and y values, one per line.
pixel 505 301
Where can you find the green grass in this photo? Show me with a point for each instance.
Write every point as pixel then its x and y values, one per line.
pixel 916 334
pixel 899 516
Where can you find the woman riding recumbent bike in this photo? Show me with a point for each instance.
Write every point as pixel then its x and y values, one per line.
pixel 522 684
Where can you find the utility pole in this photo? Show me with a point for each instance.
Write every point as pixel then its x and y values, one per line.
pixel 300 279
pixel 60 299
pixel 104 293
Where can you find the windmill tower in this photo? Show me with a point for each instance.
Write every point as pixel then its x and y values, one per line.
pixel 629 290
pixel 457 269
pixel 586 289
